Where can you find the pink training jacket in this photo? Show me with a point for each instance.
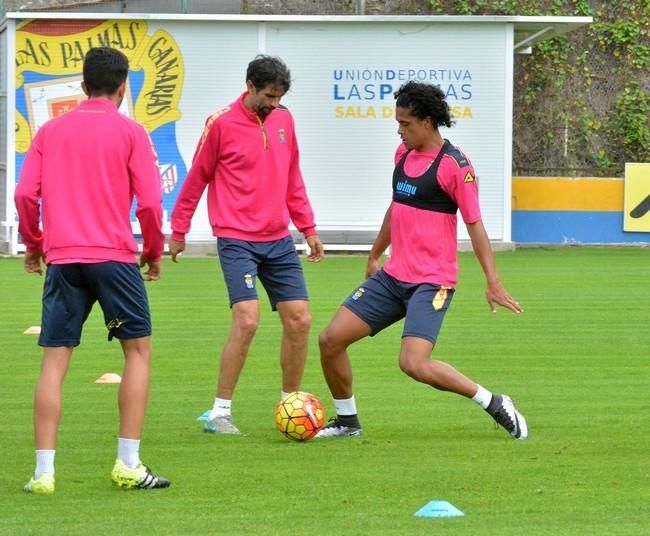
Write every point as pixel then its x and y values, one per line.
pixel 251 168
pixel 85 167
pixel 424 242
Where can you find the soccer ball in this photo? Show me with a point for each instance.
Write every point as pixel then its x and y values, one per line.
pixel 300 416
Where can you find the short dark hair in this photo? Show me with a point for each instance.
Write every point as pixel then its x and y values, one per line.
pixel 424 100
pixel 105 69
pixel 266 71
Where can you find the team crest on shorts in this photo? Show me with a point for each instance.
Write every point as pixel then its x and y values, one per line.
pixel 248 281
pixel 358 293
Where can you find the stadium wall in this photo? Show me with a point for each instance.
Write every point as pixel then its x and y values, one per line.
pixel 559 210
pixel 179 76
pixel 345 70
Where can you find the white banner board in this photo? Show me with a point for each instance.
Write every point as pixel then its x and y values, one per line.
pixel 344 75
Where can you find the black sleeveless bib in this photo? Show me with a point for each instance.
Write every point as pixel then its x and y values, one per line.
pixel 424 191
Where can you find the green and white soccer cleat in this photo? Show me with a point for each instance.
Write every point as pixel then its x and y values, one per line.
pixel 44 485
pixel 139 478
pixel 220 425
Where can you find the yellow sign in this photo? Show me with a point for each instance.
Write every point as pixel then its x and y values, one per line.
pixel 156 57
pixel 636 209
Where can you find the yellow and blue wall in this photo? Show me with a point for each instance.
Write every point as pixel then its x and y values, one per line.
pixel 557 210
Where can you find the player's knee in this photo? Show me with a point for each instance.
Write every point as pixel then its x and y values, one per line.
pixel 406 367
pixel 325 343
pixel 412 366
pixel 139 348
pixel 246 326
pixel 329 344
pixel 299 322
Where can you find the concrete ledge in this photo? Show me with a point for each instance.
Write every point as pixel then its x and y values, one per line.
pixel 203 249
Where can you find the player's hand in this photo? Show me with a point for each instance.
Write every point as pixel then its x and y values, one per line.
pixel 372 267
pixel 175 248
pixel 496 294
pixel 32 262
pixel 316 249
pixel 153 269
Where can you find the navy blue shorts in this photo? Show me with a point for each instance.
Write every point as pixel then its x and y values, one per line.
pixel 382 300
pixel 276 263
pixel 70 291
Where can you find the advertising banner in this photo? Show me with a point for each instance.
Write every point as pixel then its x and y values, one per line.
pixel 344 75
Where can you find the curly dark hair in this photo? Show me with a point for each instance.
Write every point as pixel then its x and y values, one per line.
pixel 424 100
pixel 268 70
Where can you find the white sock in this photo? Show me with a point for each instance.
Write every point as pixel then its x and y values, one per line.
pixel 283 395
pixel 221 408
pixel 345 406
pixel 128 450
pixel 483 397
pixel 44 462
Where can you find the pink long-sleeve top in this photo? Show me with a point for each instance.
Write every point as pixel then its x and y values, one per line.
pixel 85 167
pixel 251 169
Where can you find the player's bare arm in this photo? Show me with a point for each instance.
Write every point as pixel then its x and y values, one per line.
pixel 32 262
pixel 175 248
pixel 495 294
pixel 379 246
pixel 316 249
pixel 152 273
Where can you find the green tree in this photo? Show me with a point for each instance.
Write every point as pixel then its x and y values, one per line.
pixel 581 100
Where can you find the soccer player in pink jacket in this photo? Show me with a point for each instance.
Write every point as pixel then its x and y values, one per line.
pixel 248 160
pixel 79 177
pixel 432 181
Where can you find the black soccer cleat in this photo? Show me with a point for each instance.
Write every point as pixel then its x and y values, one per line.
pixel 503 411
pixel 339 426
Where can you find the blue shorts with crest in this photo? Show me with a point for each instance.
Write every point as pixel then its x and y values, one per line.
pixel 275 263
pixel 383 300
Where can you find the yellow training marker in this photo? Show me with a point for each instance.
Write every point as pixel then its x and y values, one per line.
pixel 109 377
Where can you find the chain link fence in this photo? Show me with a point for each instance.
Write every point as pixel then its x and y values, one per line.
pixel 569 128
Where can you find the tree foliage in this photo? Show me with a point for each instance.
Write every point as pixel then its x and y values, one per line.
pixel 582 99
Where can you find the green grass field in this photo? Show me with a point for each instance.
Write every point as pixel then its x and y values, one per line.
pixel 577 363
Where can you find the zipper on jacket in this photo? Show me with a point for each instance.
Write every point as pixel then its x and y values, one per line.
pixel 264 138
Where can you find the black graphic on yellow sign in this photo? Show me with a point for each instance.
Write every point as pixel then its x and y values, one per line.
pixel 637 198
pixel 641 209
